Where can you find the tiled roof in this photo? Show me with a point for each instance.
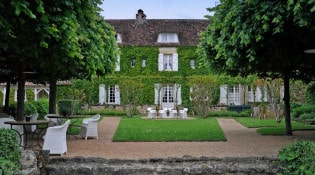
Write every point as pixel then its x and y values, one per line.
pixel 144 32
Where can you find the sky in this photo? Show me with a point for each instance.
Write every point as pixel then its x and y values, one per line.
pixel 157 9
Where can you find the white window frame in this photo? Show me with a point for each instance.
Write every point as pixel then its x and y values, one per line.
pixel 109 94
pixel 168 38
pixel 168 62
pixel 192 64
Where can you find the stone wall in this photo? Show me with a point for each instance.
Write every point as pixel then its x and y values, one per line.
pixel 167 166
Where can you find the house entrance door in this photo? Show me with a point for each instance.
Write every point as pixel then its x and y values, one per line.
pixel 167 94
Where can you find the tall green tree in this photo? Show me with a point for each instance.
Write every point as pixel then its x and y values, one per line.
pixel 267 38
pixel 58 40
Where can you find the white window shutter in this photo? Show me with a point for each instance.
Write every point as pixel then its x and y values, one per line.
pixel 156 93
pixel 101 94
pixel 117 95
pixel 117 68
pixel 223 94
pixel 179 96
pixel 175 62
pixel 160 62
pixel 159 38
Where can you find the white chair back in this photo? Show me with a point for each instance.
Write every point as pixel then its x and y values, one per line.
pixel 56 139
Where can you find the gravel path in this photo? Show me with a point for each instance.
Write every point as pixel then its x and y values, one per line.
pixel 241 142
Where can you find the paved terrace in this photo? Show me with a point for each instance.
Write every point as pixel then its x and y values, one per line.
pixel 241 142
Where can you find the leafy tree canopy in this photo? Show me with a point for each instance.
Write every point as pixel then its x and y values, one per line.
pixel 265 37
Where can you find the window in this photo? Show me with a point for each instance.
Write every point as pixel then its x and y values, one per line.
pixel 168 62
pixel 168 38
pixel 234 89
pixel 192 64
pixel 168 94
pixel 133 63
pixel 144 64
pixel 118 38
pixel 113 94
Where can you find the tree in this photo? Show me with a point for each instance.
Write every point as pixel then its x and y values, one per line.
pixel 267 38
pixel 202 92
pixel 58 40
pixel 130 90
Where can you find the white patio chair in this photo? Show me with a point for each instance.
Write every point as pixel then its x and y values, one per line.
pixel 151 113
pixel 162 113
pixel 183 113
pixel 32 128
pixel 173 113
pixel 53 121
pixel 56 139
pixel 89 127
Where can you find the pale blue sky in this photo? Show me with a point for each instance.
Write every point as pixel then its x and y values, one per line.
pixel 157 9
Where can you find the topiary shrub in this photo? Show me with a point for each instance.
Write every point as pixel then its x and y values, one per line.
pixel 298 158
pixel 9 152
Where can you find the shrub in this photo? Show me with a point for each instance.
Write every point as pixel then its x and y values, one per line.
pixel 307 116
pixel 42 106
pixel 297 112
pixel 108 112
pixel 245 113
pixel 298 158
pixel 29 108
pixel 310 93
pixel 68 107
pixel 9 152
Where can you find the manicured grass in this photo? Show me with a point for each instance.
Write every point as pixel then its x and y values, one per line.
pixel 137 129
pixel 270 126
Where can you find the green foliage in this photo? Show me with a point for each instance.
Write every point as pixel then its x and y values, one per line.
pixel 245 113
pixel 202 92
pixel 150 54
pixel 68 107
pixel 271 126
pixel 310 93
pixel 138 129
pixel 129 95
pixel 107 112
pixel 87 90
pixel 29 108
pixel 41 106
pixel 9 152
pixel 304 109
pixel 298 158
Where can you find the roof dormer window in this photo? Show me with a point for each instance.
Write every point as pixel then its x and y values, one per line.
pixel 168 38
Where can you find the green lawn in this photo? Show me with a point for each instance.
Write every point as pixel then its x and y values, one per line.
pixel 270 126
pixel 137 129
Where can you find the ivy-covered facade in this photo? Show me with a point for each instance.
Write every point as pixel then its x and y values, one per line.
pixel 158 53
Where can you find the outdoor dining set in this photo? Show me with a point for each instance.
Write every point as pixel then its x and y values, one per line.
pixel 169 113
pixel 52 130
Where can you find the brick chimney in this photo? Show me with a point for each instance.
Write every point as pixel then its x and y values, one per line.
pixel 140 15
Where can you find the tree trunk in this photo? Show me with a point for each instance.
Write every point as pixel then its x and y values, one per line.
pixel 52 96
pixel 287 104
pixel 20 97
pixel 7 98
